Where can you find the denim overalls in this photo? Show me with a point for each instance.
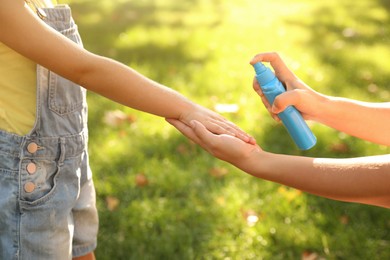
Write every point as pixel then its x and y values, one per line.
pixel 47 197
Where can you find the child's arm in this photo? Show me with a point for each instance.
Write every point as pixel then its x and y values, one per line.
pixel 369 121
pixel 24 32
pixel 363 180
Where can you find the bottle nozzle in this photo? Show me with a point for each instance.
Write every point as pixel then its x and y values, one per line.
pixel 263 74
pixel 259 68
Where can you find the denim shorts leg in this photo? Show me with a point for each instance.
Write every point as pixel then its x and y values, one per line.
pixel 9 195
pixel 47 200
pixel 47 196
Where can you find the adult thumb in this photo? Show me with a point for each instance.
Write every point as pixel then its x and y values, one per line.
pixel 288 98
pixel 200 130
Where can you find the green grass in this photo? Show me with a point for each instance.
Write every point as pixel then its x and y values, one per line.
pixel 194 206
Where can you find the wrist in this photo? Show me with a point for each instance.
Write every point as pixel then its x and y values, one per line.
pixel 328 109
pixel 256 163
pixel 184 111
pixel 322 105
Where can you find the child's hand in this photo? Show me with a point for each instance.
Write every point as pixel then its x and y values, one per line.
pixel 223 146
pixel 298 94
pixel 215 123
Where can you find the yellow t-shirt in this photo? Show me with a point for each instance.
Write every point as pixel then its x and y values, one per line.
pixel 17 92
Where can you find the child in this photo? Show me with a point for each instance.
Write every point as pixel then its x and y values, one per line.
pixel 364 180
pixel 47 197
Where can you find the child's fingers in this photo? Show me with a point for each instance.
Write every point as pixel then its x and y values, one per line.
pixel 239 133
pixel 218 126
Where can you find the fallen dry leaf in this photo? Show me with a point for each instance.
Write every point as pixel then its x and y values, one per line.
pixel 218 172
pixel 141 180
pixel 112 203
pixel 116 118
pixel 182 149
pixel 307 255
pixel 290 193
pixel 340 147
pixel 344 219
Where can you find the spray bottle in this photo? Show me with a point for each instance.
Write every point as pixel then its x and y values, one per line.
pixel 291 118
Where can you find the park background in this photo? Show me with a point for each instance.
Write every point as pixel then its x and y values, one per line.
pixel 161 197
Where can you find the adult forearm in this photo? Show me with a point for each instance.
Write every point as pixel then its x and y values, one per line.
pixel 368 121
pixel 363 180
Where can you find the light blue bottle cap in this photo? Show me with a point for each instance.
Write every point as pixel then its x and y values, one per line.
pixel 263 74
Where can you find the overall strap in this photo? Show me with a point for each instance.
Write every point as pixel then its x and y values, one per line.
pixel 37 5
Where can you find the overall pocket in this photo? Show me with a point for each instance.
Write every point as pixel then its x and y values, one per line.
pixel 57 184
pixel 44 183
pixel 65 97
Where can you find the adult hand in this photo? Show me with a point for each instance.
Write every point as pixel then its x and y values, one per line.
pixel 298 94
pixel 214 123
pixel 223 146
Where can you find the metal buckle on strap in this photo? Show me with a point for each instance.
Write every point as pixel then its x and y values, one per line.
pixel 33 5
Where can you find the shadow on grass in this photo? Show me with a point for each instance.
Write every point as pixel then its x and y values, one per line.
pixel 104 23
pixel 334 42
pixel 156 221
pixel 349 230
pixel 174 216
pixel 147 218
pixel 339 38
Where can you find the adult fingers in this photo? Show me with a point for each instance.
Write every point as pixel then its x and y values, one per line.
pixel 184 129
pixel 265 101
pixel 197 133
pixel 258 90
pixel 275 60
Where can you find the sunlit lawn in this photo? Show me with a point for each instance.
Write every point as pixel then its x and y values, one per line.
pixel 161 197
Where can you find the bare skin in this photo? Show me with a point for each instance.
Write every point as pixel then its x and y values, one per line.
pixel 99 74
pixel 22 31
pixel 90 256
pixel 368 121
pixel 363 180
